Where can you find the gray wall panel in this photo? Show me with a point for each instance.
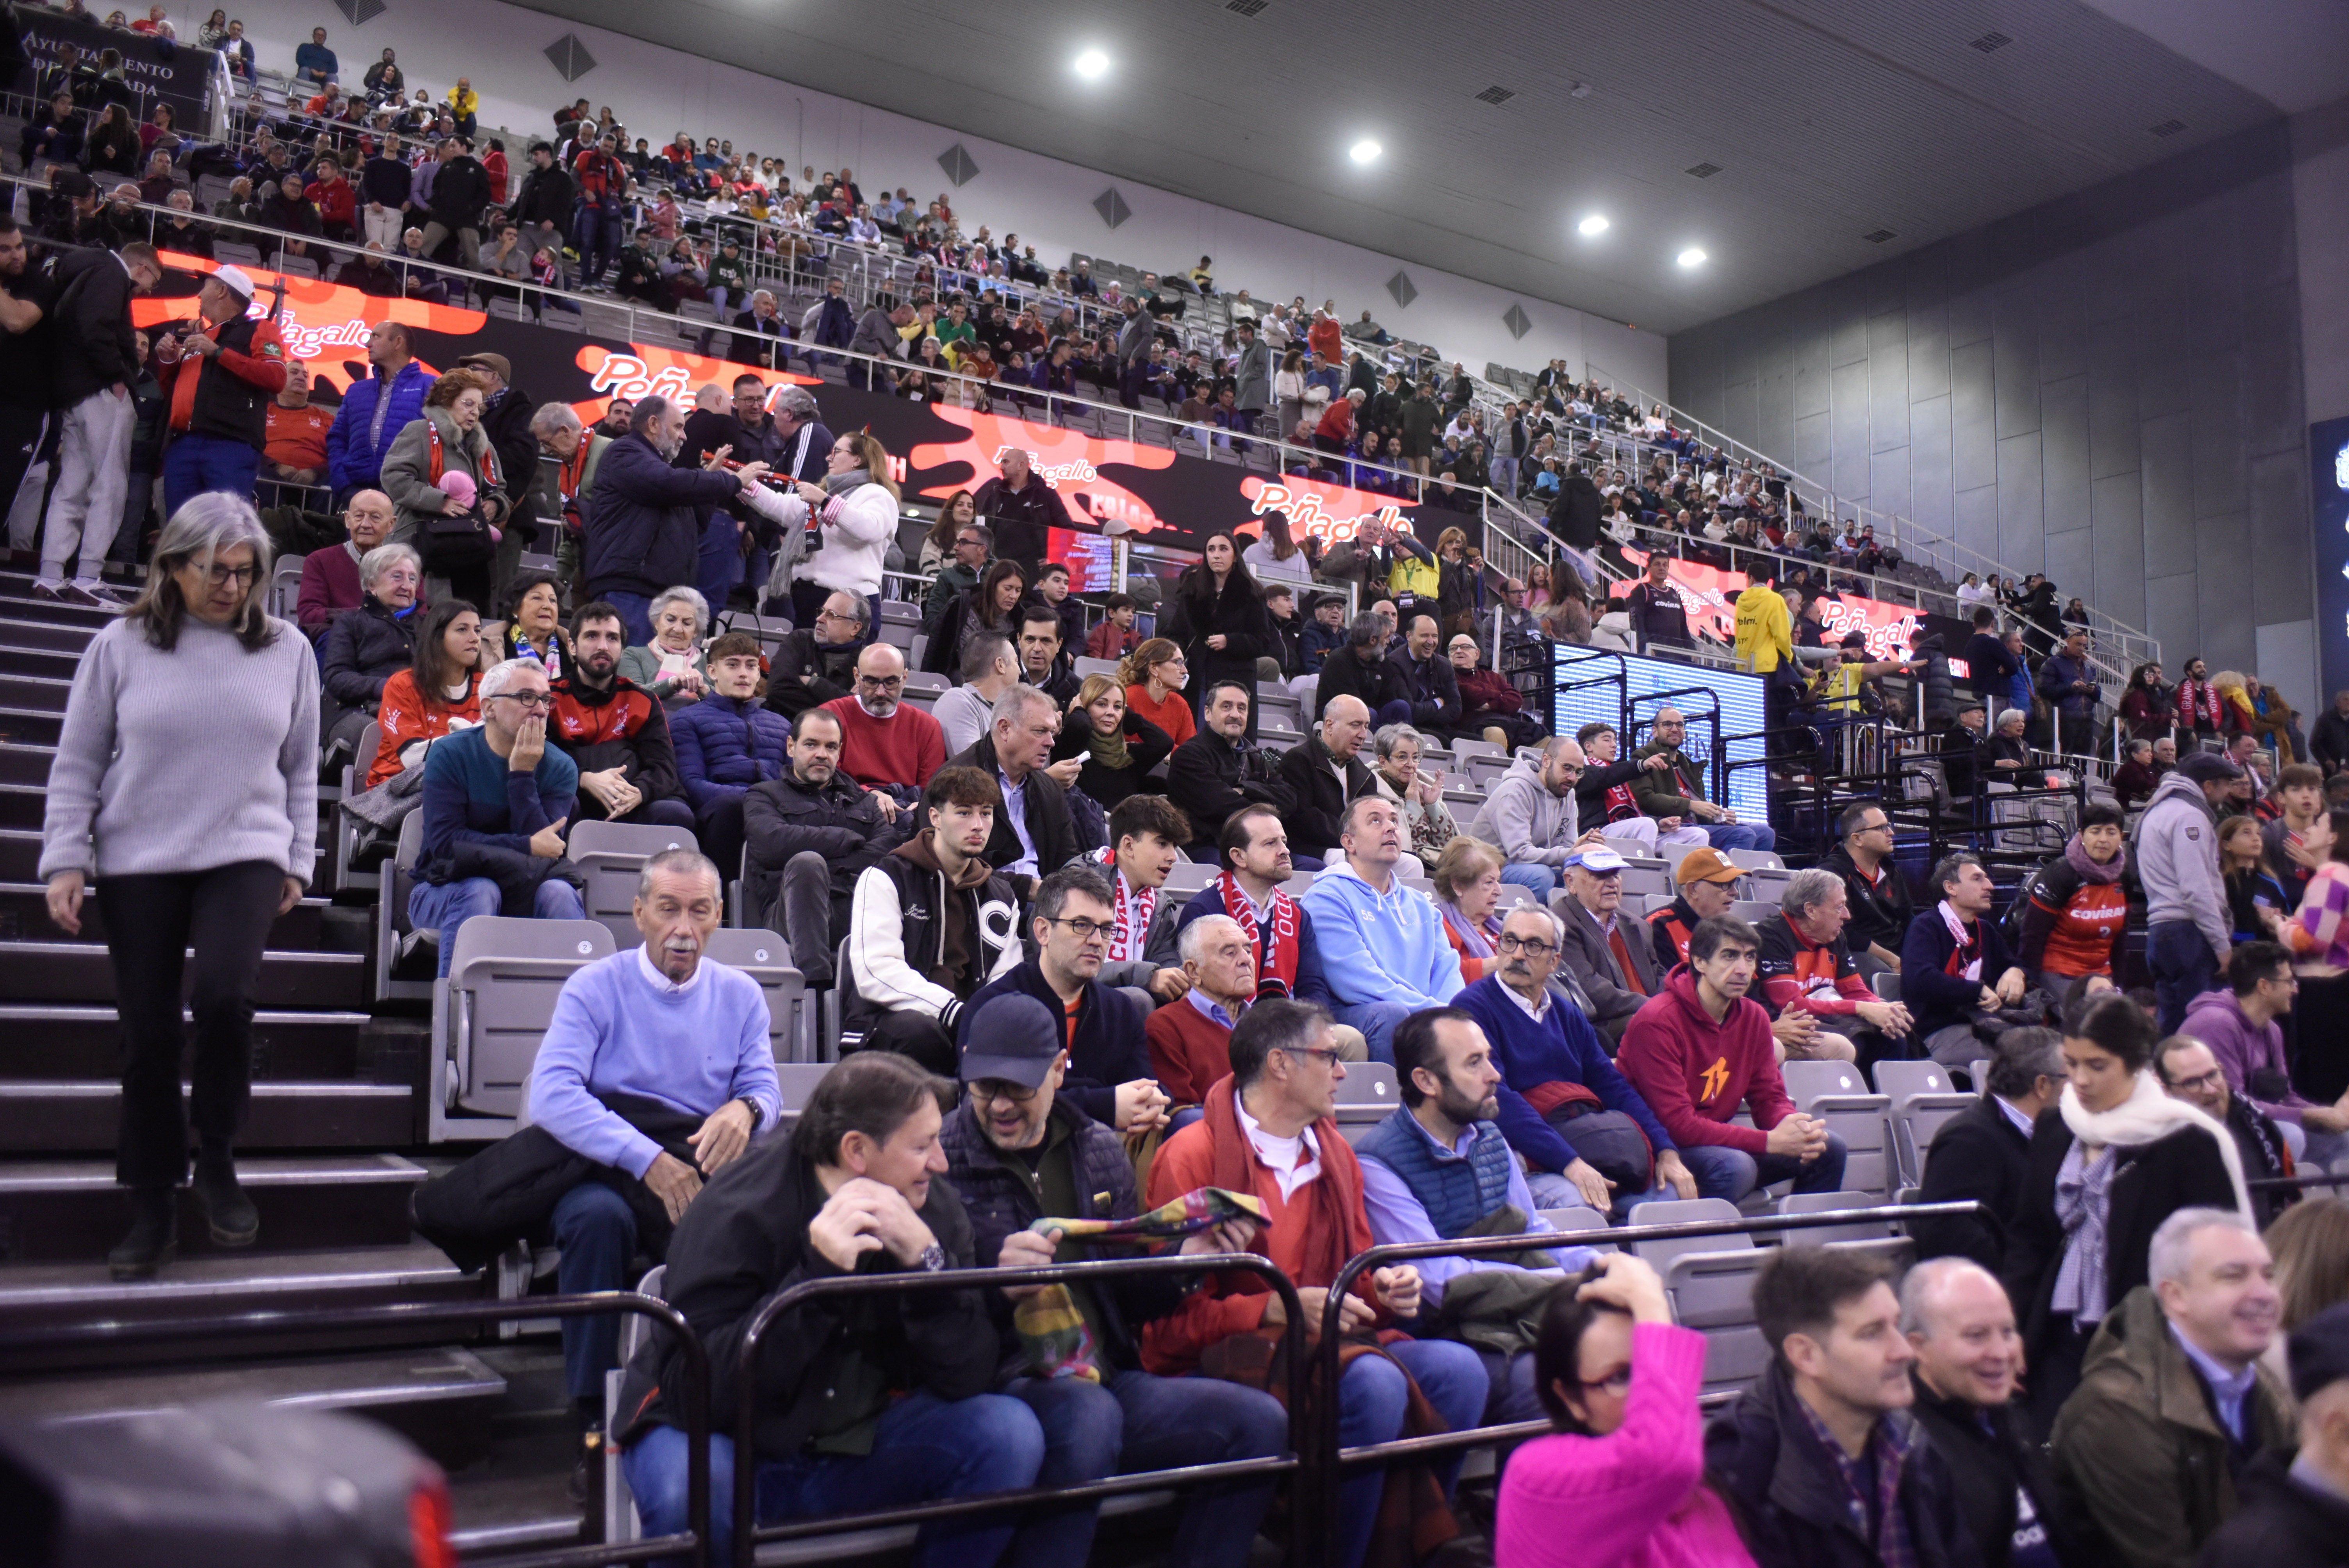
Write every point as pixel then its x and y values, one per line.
pixel 1774 396
pixel 2109 387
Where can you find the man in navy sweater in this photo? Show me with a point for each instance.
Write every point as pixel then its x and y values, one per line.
pixel 1954 962
pixel 1554 1073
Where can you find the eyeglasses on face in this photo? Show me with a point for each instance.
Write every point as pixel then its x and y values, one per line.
pixel 1531 946
pixel 220 576
pixel 881 683
pixel 1084 930
pixel 985 1091
pixel 529 701
pixel 1329 1056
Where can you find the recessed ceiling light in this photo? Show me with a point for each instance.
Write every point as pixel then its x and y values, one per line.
pixel 1691 257
pixel 1594 225
pixel 1365 151
pixel 1092 64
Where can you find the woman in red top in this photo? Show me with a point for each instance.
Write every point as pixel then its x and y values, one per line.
pixel 438 692
pixel 1155 675
pixel 2073 926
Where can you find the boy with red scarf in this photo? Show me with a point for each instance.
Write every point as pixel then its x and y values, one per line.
pixel 1147 834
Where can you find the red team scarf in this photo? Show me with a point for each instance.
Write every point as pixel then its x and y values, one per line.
pixel 1965 960
pixel 1136 911
pixel 1277 975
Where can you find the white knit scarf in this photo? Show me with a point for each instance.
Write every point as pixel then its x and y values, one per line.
pixel 2149 1113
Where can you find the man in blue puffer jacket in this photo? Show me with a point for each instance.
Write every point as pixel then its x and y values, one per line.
pixel 643 519
pixel 375 411
pixel 727 742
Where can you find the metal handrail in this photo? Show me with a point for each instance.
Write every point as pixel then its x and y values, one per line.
pixel 1326 1351
pixel 692 1544
pixel 748 1534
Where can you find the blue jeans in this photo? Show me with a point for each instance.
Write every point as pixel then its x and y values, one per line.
pixel 1722 1172
pixel 1137 1422
pixel 445 906
pixel 1541 879
pixel 1741 835
pixel 196 462
pixel 596 1232
pixel 1372 1399
pixel 1377 1020
pixel 636 610
pixel 926 1449
pixel 2183 968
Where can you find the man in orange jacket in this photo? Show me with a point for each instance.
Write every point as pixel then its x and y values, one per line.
pixel 219 373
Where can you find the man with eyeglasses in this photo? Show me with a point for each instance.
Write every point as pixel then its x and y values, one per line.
pixel 1603 796
pixel 2189 1071
pixel 1019 1151
pixel 818 664
pixel 1071 924
pixel 496 799
pixel 887 744
pixel 1880 905
pixel 1677 790
pixel 2240 1024
pixel 972 552
pixel 1269 1130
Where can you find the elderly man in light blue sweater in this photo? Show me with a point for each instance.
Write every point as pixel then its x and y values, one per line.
pixel 656 1023
pixel 1382 946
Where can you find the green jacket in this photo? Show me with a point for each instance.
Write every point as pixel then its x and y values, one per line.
pixel 2138 1452
pixel 1657 792
pixel 953 579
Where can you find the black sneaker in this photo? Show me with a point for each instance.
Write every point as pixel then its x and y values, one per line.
pixel 230 1214
pixel 154 1237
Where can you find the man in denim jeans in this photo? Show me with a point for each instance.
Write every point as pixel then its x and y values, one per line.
pixel 2186 923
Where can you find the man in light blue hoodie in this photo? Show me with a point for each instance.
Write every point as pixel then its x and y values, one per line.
pixel 1382 948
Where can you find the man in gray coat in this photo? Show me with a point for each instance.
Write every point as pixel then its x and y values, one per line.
pixel 2187 922
pixel 876 335
pixel 1134 339
pixel 1606 952
pixel 1252 370
pixel 1530 815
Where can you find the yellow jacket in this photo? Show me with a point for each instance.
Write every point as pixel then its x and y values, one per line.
pixel 1410 574
pixel 1765 632
pixel 464 101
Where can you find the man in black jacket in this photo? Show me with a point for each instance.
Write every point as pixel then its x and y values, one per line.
pixel 817 663
pixel 542 206
pixel 1311 772
pixel 2297 1515
pixel 1018 505
pixel 97 359
pixel 1574 515
pixel 1435 688
pixel 1968 1367
pixel 1821 1461
pixel 1216 771
pixel 1017 1153
pixel 1040 665
pixel 848 1390
pixel 1983 1152
pixel 1034 835
pixel 1361 670
pixel 761 336
pixel 644 533
pixel 1873 885
pixel 459 191
pixel 614 730
pixel 1658 606
pixel 810 833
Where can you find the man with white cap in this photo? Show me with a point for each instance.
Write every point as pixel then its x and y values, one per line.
pixel 219 373
pixel 1612 958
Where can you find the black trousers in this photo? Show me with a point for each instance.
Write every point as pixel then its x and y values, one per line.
pixel 150 922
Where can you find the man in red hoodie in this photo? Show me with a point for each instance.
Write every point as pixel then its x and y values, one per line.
pixel 1701 1048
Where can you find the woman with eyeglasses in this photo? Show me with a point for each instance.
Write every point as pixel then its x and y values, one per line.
pixel 185 785
pixel 1622 1480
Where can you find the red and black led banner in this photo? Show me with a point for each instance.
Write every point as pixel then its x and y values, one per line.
pixel 1161 494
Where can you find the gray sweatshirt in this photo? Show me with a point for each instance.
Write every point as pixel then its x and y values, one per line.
pixel 186 760
pixel 2177 857
pixel 1531 825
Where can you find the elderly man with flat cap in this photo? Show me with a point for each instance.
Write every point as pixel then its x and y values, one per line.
pixel 219 373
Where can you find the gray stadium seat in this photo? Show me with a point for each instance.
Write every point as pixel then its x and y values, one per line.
pixel 1827 1203
pixel 612 855
pixel 504 978
pixel 285 586
pixel 1188 877
pixel 391 917
pixel 1838 1096
pixel 1922 1098
pixel 766 958
pixel 1680 1211
pixel 1096 667
pixel 1710 1282
pixel 1366 1096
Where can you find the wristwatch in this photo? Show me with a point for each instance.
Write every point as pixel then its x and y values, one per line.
pixel 933 1259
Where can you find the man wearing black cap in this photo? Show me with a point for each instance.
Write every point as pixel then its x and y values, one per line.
pixel 2297 1515
pixel 2186 921
pixel 1018 1153
pixel 1968 727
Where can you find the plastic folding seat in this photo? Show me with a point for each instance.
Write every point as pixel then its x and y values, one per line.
pixel 1922 1098
pixel 504 978
pixel 1838 1096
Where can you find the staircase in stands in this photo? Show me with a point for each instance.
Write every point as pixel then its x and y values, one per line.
pixel 331 1152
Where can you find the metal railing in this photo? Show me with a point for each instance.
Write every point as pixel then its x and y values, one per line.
pixel 748 1534
pixel 211 1332
pixel 1337 1458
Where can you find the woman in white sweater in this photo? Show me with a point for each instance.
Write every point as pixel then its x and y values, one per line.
pixel 185 787
pixel 849 521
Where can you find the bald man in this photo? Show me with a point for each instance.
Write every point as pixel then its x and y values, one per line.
pixel 886 743
pixel 1324 775
pixel 330 577
pixel 1968 1369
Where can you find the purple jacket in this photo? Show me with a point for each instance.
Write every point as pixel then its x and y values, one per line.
pixel 2215 1019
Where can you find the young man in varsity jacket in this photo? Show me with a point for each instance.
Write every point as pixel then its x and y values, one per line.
pixel 219 373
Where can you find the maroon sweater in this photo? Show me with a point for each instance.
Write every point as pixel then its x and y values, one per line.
pixel 1695 1073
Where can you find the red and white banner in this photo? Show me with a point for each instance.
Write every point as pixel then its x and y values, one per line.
pixel 1710 596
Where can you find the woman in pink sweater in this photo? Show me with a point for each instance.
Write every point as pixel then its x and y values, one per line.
pixel 1622 1484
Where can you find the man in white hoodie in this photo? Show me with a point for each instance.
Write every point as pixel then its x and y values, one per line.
pixel 2186 923
pixel 1530 815
pixel 1382 944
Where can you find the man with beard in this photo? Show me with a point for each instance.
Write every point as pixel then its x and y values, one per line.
pixel 1361 670
pixel 810 831
pixel 644 530
pixel 818 664
pixel 614 730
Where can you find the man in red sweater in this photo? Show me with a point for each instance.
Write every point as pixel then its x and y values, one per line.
pixel 887 745
pixel 1701 1048
pixel 1191 1037
pixel 1271 1129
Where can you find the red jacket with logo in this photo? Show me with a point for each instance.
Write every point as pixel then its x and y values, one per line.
pixel 620 727
pixel 1695 1073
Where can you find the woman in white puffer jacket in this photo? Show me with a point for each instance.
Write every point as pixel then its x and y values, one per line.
pixel 852 518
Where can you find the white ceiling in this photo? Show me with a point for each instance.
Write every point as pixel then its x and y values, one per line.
pixel 1830 119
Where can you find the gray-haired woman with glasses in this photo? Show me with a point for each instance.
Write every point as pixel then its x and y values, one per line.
pixel 185 787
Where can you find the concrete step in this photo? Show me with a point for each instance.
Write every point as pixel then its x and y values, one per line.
pixel 45 635
pixel 71 1211
pixel 29 727
pixel 15 659
pixel 25 917
pixel 82 1116
pixel 23 605
pixel 21 764
pixel 51 1041
pixel 23 805
pixel 436 1395
pixel 82 972
pixel 37 694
